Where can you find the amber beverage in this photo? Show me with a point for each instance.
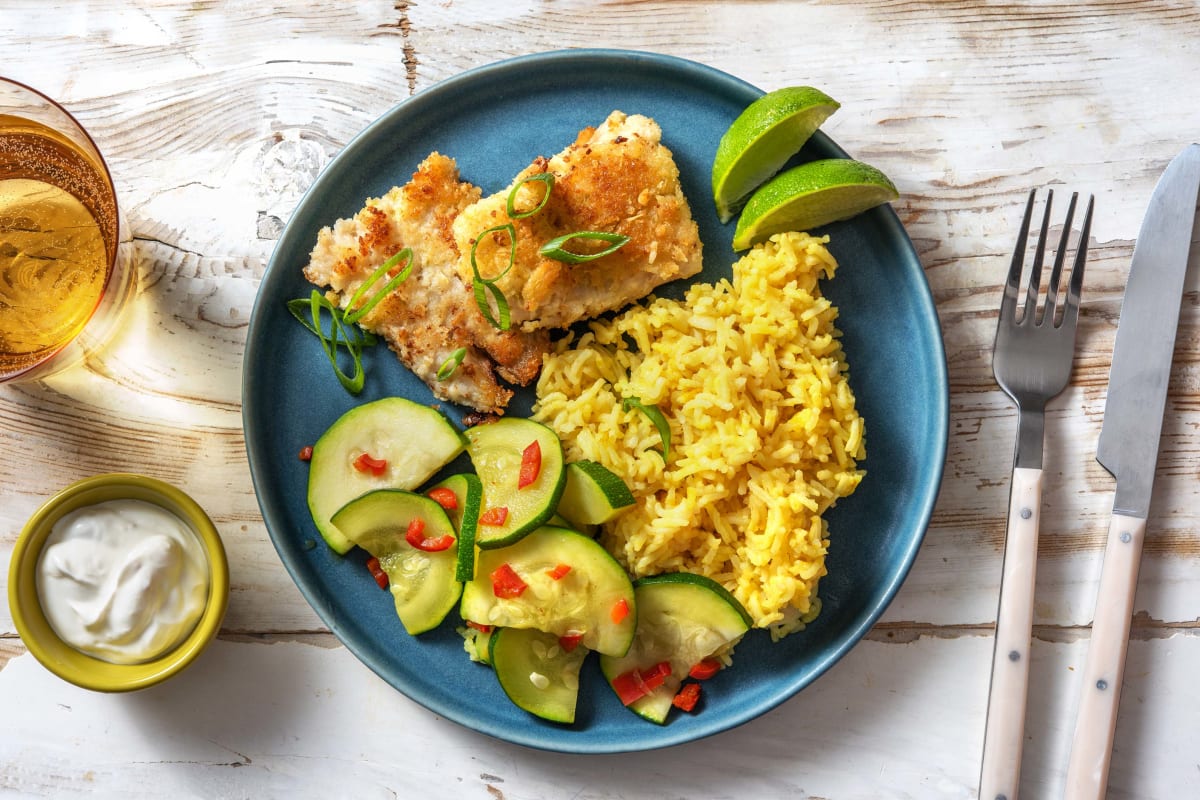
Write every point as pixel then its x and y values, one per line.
pixel 65 269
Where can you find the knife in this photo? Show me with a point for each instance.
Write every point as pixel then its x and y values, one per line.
pixel 1128 448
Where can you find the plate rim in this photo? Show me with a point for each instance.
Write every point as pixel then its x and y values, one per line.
pixel 666 738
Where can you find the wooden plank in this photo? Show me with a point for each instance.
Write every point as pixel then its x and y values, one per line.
pixel 892 720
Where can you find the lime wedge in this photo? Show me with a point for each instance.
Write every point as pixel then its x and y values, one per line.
pixel 809 196
pixel 771 130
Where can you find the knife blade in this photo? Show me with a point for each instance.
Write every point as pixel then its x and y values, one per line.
pixel 1128 448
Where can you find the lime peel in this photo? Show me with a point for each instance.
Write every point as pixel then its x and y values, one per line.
pixel 761 140
pixel 809 196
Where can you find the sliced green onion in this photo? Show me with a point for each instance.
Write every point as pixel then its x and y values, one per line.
pixel 301 309
pixel 556 247
pixel 388 288
pixel 512 251
pixel 337 337
pixel 451 364
pixel 351 383
pixel 655 415
pixel 511 206
pixel 482 288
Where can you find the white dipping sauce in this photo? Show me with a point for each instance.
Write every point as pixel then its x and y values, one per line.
pixel 123 580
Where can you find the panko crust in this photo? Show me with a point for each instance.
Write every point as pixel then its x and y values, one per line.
pixel 617 178
pixel 432 313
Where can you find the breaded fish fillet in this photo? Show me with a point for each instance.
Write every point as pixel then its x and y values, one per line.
pixel 432 313
pixel 618 178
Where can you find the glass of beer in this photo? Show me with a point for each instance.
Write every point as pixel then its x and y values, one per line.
pixel 66 258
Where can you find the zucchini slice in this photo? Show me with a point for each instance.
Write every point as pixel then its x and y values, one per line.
pixel 682 619
pixel 478 644
pixel 593 494
pixel 468 494
pixel 559 521
pixel 497 449
pixel 412 442
pixel 592 598
pixel 537 672
pixel 421 582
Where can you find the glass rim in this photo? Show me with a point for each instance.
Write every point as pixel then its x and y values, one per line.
pixel 103 163
pixel 113 277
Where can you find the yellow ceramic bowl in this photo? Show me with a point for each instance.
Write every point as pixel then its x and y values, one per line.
pixel 71 664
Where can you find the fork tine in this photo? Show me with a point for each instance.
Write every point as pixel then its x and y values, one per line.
pixel 1035 273
pixel 1048 310
pixel 1075 288
pixel 1008 304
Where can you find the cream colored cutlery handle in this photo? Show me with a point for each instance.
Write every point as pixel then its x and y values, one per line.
pixel 1000 775
pixel 1091 748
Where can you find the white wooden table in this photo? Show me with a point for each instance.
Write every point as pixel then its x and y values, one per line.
pixel 215 118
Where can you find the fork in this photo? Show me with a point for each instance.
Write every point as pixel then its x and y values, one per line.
pixel 1031 360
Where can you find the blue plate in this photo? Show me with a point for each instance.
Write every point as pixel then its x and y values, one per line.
pixel 494 120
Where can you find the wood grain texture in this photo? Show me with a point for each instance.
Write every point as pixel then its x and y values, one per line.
pixel 215 118
pixel 889 723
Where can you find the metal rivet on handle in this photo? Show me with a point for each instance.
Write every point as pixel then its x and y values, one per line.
pixel 1026 513
pixel 1125 537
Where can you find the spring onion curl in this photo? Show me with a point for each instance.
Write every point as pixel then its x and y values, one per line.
pixel 511 204
pixel 556 247
pixel 482 286
pixel 354 339
pixel 655 415
pixel 343 332
pixel 301 310
pixel 502 319
pixel 449 366
pixel 361 311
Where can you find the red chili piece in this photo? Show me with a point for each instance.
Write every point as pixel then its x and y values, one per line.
pixel 446 498
pixel 687 697
pixel 494 516
pixel 415 532
pixel 375 466
pixel 569 641
pixel 306 453
pixel 506 583
pixel 531 464
pixel 619 611
pixel 479 627
pixel 629 687
pixel 415 535
pixel 705 669
pixel 636 684
pixel 655 676
pixel 558 572
pixel 377 572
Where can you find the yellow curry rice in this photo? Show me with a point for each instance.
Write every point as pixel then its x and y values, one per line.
pixel 764 431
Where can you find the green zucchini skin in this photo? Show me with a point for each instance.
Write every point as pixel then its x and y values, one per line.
pixel 523 658
pixel 422 583
pixel 581 601
pixel 683 619
pixel 496 449
pixel 593 494
pixel 415 441
pixel 468 491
